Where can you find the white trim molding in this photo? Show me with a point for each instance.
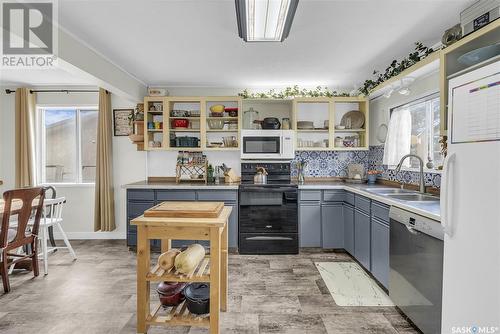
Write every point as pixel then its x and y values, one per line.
pixel 92 235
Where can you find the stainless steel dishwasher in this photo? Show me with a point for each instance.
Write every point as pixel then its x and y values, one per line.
pixel 416 268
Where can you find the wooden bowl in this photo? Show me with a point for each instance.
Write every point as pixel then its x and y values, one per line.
pixel 136 138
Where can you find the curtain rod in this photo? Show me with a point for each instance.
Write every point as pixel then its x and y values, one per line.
pixel 9 91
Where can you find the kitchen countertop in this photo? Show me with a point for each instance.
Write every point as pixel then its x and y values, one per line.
pixel 427 209
pixel 183 185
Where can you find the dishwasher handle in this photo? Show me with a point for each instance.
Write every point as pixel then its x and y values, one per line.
pixel 411 229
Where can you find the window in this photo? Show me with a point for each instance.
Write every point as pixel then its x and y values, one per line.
pixel 425 134
pixel 68 149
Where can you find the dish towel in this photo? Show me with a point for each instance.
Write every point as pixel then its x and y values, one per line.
pixel 398 142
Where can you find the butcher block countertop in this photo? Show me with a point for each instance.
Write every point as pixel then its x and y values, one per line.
pixel 186 222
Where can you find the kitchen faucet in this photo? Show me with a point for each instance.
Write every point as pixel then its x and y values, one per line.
pixel 421 172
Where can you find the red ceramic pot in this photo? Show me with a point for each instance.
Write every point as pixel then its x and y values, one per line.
pixel 171 294
pixel 180 123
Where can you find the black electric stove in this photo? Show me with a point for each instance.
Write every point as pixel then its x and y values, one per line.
pixel 268 213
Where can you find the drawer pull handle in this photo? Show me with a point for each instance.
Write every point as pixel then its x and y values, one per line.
pixel 269 226
pixel 269 238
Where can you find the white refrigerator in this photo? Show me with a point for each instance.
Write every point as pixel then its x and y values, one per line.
pixel 470 204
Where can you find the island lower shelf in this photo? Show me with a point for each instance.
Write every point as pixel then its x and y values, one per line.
pixel 177 316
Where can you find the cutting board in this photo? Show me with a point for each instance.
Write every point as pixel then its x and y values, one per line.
pixel 185 210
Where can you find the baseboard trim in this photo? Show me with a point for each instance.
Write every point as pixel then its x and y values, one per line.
pixel 91 235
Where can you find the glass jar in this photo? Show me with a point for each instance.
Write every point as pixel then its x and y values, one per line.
pixel 249 117
pixel 285 123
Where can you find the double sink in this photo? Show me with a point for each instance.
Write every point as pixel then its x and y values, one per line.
pixel 404 195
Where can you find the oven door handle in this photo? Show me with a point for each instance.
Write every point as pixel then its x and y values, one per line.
pixel 269 189
pixel 268 238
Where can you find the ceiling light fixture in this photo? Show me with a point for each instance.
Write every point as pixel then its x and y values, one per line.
pixel 265 20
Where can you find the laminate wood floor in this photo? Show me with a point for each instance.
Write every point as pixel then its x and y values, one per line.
pixel 267 294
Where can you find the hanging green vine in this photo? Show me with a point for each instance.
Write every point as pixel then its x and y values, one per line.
pixel 421 52
pixel 291 92
pixel 395 68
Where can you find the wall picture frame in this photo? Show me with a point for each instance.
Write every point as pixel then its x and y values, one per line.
pixel 121 126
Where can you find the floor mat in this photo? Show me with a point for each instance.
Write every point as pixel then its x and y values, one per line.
pixel 350 285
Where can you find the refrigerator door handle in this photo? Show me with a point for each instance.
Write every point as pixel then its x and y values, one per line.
pixel 447 204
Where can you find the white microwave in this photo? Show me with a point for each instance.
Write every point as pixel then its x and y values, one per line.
pixel 268 144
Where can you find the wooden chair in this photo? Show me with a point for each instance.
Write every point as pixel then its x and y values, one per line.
pixel 13 238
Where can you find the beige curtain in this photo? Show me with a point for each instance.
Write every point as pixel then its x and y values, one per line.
pixel 25 138
pixel 104 216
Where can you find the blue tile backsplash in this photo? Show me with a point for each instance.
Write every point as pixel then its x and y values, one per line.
pixel 375 158
pixel 334 164
pixel 329 163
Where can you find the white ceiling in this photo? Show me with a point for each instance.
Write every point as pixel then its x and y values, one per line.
pixel 196 43
pixel 39 77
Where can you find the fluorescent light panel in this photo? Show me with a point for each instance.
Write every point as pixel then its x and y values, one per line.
pixel 265 20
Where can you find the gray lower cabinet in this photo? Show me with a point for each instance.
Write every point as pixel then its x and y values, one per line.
pixel 139 200
pixel 362 238
pixel 380 251
pixel 348 211
pixel 332 225
pixel 310 224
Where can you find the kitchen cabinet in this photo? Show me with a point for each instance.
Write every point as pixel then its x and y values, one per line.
pixel 348 212
pixel 139 200
pixel 362 238
pixel 310 224
pixel 332 225
pixel 380 251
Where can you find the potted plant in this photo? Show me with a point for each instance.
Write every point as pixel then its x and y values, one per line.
pixel 372 175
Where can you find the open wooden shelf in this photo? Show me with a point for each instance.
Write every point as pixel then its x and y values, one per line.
pixel 313 130
pixel 223 117
pixel 184 130
pixel 177 316
pixel 199 274
pixel 350 130
pixel 221 130
pixel 222 149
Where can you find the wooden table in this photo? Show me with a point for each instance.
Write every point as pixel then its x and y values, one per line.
pixel 167 229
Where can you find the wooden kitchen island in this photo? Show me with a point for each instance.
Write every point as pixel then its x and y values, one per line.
pixel 212 269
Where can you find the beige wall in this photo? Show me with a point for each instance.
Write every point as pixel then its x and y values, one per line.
pixel 129 166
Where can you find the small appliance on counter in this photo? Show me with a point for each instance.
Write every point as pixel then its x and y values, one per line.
pixel 268 213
